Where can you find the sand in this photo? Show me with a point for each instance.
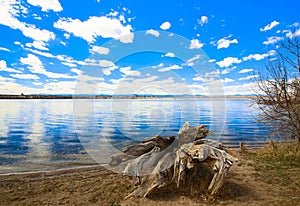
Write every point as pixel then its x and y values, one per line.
pixel 98 186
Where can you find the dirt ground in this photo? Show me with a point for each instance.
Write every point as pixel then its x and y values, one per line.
pixel 245 185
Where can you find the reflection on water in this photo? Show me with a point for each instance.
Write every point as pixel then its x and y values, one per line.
pixel 47 134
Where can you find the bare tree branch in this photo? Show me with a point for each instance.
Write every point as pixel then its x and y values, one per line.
pixel 279 91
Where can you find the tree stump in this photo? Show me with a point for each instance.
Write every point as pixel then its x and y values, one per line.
pixel 191 162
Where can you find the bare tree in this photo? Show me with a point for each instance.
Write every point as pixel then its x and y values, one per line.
pixel 278 95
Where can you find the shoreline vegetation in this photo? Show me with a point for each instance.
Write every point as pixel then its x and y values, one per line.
pixel 134 96
pixel 262 176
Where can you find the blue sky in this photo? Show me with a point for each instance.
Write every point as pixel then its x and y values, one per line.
pixel 67 47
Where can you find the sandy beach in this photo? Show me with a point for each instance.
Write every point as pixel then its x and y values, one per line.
pixel 98 186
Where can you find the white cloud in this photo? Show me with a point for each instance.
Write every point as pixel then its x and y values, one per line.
pixel 225 42
pixel 76 71
pixel 208 77
pixel 297 33
pixel 169 54
pixel 25 76
pixel 45 54
pixel 153 32
pixel 195 44
pixel 212 60
pixel 296 24
pixel 228 61
pixel 107 71
pixel 35 65
pixel 5 79
pixel 95 26
pixel 38 45
pixel 128 72
pixel 270 26
pixel 106 63
pixel 4 49
pixel 228 80
pixel 69 64
pixel 99 50
pixel 37 17
pixel 259 57
pixel 173 67
pixel 62 87
pixel 245 71
pixel 228 70
pixel 165 26
pixel 240 89
pixel 248 77
pixel 67 35
pixel 203 20
pixel 272 40
pixel 157 66
pixel 3 67
pixel 9 11
pixel 47 5
pixel 190 62
pixel 290 34
pixel 37 34
pixel 37 83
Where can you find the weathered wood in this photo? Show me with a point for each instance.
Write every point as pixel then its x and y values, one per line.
pixel 157 162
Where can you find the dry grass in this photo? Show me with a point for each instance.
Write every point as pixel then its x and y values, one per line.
pixel 274 164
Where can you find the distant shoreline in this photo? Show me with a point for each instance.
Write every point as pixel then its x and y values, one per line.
pixel 46 96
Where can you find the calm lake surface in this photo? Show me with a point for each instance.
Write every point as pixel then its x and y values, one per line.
pixel 50 134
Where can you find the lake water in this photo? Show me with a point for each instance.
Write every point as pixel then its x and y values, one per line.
pixel 51 134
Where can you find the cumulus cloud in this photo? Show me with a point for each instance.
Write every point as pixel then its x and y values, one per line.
pixel 128 72
pixel 38 45
pixel 195 44
pixel 157 66
pixel 208 77
pixel 69 64
pixel 270 26
pixel 8 17
pixel 259 57
pixel 225 42
pixel 273 40
pixel 290 34
pixel 248 77
pixel 99 50
pixel 25 76
pixel 47 5
pixel 173 67
pixel 203 20
pixel 245 71
pixel 3 67
pixel 169 54
pixel 165 26
pixel 240 89
pixel 153 32
pixel 228 61
pixel 227 80
pixel 228 70
pixel 108 71
pixel 5 80
pixel 35 65
pixel 106 63
pixel 94 27
pixel 76 71
pixel 190 62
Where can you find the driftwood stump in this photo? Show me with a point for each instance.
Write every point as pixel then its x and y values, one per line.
pixel 188 160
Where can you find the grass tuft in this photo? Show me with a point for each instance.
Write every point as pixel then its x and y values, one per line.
pixel 272 164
